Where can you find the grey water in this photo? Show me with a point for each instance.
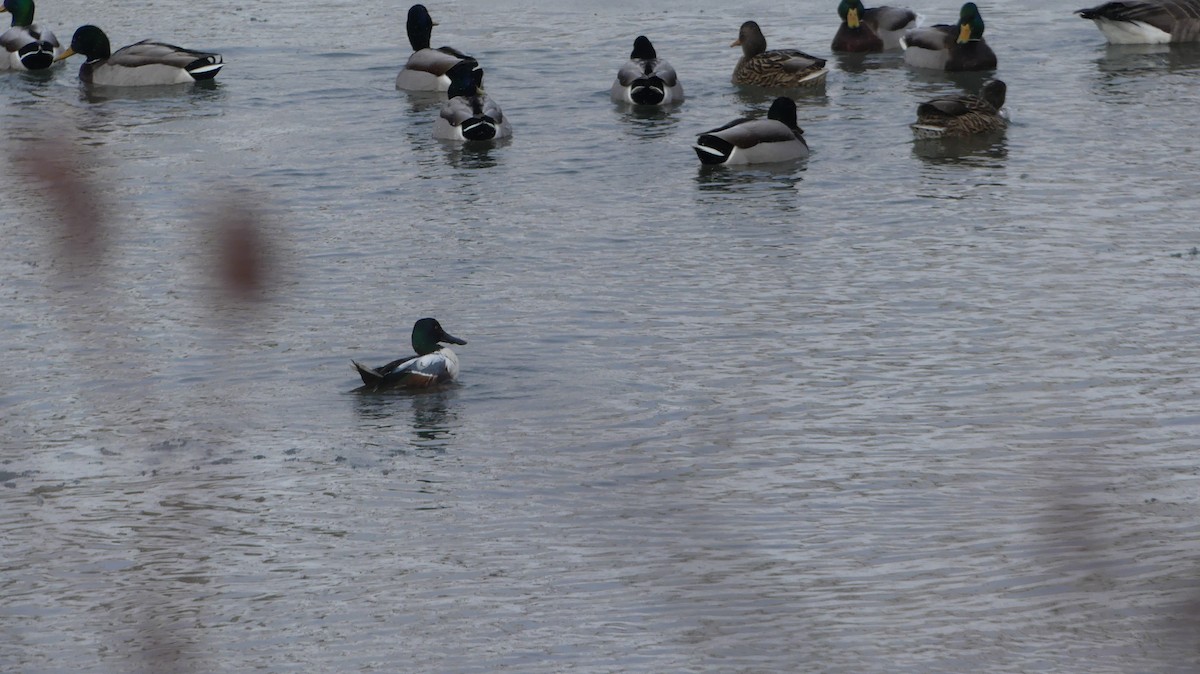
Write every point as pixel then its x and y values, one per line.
pixel 899 407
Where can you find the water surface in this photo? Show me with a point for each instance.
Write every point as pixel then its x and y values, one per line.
pixel 899 407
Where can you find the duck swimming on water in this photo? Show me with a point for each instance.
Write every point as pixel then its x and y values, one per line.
pixel 434 364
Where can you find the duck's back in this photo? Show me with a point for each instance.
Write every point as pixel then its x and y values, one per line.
pixel 151 63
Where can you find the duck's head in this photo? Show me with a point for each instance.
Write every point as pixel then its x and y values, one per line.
pixel 750 39
pixel 89 41
pixel 428 333
pixel 420 27
pixel 21 10
pixel 994 93
pixel 783 109
pixel 851 12
pixel 642 49
pixel 970 24
pixel 466 78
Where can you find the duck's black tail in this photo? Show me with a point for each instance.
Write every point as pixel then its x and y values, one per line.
pixel 713 149
pixel 370 375
pixel 648 90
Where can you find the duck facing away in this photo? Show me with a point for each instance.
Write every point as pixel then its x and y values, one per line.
pixel 427 68
pixel 777 138
pixel 871 30
pixel 954 48
pixel 958 116
pixel 26 46
pixel 434 364
pixel 777 68
pixel 1147 21
pixel 469 113
pixel 146 63
pixel 646 79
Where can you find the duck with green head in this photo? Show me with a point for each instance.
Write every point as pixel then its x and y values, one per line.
pixel 146 63
pixel 26 46
pixel 427 68
pixel 871 30
pixel 434 364
pixel 957 48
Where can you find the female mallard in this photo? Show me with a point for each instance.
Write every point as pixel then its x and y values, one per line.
pixel 646 79
pixel 433 364
pixel 962 115
pixel 871 30
pixel 952 48
pixel 26 45
pixel 426 68
pixel 1147 21
pixel 146 63
pixel 469 113
pixel 755 141
pixel 780 68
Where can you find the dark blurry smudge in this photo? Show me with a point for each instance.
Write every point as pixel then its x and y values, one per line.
pixel 81 214
pixel 243 253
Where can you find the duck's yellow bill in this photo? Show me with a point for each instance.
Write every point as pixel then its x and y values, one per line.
pixel 964 33
pixel 852 18
pixel 68 52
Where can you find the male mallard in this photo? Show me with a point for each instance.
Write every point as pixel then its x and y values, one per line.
pixel 870 30
pixel 469 113
pixel 433 364
pixel 1147 21
pixel 954 48
pixel 778 68
pixel 146 63
pixel 646 79
pixel 755 141
pixel 426 68
pixel 962 115
pixel 26 46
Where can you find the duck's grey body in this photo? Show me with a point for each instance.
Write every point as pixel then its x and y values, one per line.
pixel 426 69
pixel 149 63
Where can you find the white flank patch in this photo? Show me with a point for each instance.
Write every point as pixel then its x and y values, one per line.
pixel 817 75
pixel 1131 32
pixel 931 59
pixel 444 130
pixel 925 131
pixel 206 69
pixel 148 75
pixel 418 80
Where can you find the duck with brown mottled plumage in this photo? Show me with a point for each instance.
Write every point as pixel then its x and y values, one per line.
pixel 777 68
pixel 959 116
